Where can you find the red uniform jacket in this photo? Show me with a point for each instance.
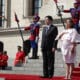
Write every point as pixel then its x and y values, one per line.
pixel 75 13
pixel 20 57
pixel 4 60
pixel 34 29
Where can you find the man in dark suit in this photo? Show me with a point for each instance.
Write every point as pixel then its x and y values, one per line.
pixel 48 47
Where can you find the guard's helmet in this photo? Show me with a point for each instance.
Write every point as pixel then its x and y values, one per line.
pixel 36 17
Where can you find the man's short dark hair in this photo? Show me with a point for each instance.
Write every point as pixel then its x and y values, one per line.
pixel 49 17
pixel 5 52
pixel 19 46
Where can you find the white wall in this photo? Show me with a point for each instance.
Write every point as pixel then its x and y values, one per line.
pixel 49 8
pixel 17 6
pixel 11 41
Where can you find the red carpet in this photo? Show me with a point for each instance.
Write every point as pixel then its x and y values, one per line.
pixel 75 76
pixel 76 72
pixel 26 77
pixel 30 77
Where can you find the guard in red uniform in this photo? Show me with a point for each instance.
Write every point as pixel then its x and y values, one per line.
pixel 4 60
pixel 75 13
pixel 78 1
pixel 20 57
pixel 34 36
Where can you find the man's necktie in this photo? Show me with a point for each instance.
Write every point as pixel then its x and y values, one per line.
pixel 46 29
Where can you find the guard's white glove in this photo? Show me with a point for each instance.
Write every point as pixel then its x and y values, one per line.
pixel 79 24
pixel 37 39
pixel 22 29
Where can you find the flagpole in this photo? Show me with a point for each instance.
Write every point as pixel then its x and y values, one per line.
pixel 59 13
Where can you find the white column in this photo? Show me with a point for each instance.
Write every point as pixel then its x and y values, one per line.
pixel 8 13
pixel 26 8
pixel 5 14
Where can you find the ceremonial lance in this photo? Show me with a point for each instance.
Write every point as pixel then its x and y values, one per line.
pixel 17 20
pixel 59 11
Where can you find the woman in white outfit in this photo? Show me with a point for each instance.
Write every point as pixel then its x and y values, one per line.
pixel 68 37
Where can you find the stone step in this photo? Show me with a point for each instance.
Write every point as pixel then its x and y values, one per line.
pixel 76 69
pixel 29 69
pixel 2 79
pixel 76 73
pixel 35 66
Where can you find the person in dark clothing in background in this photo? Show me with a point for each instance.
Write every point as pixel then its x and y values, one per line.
pixel 48 47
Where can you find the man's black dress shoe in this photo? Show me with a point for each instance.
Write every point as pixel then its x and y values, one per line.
pixel 50 76
pixel 44 76
pixel 31 58
pixel 34 57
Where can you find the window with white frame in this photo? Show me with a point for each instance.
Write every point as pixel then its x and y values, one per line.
pixel 37 6
pixel 31 7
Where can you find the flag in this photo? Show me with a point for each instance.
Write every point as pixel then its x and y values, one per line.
pixel 55 1
pixel 16 18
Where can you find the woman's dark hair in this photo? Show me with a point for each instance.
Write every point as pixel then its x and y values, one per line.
pixel 71 23
pixel 49 17
pixel 5 52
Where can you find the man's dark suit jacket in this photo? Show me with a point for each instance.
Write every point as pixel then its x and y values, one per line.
pixel 48 38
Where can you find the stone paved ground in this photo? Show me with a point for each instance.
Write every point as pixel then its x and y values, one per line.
pixel 35 66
